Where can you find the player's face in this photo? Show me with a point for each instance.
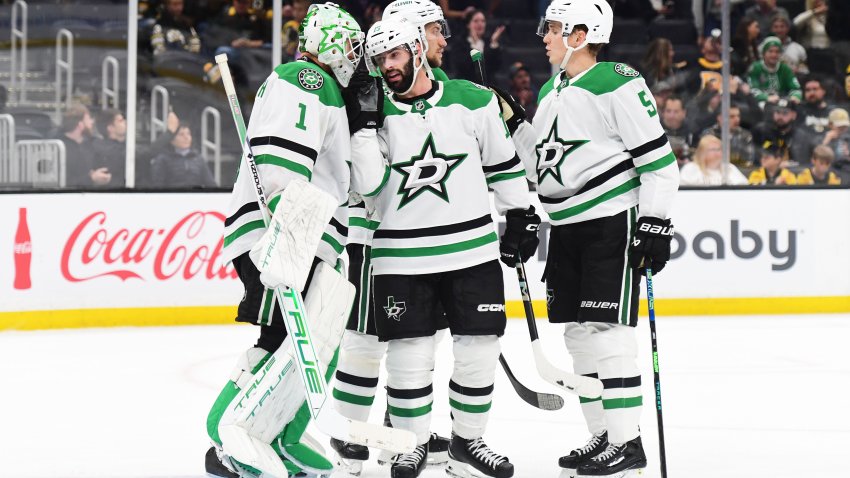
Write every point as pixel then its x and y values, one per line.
pixel 436 44
pixel 396 67
pixel 555 48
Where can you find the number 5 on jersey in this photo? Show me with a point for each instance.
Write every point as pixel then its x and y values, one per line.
pixel 650 108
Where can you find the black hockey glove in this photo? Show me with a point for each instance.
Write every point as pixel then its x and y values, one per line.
pixel 364 100
pixel 520 237
pixel 512 112
pixel 651 244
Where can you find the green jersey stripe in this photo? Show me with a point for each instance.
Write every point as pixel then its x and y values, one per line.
pixel 353 398
pixel 284 163
pixel 273 203
pixel 580 208
pixel 504 177
pixel 626 402
pixel 434 250
pixel 354 221
pixel 659 163
pixel 463 407
pixel 410 412
pixel 242 230
pixel 588 400
pixel 333 243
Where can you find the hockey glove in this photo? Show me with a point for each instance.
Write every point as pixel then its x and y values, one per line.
pixel 512 112
pixel 520 237
pixel 651 244
pixel 364 101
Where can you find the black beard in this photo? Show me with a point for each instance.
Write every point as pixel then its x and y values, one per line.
pixel 406 79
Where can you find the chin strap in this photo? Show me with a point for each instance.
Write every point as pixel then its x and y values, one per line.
pixel 570 51
pixel 422 61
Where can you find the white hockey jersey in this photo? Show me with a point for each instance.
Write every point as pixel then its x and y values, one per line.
pixel 298 129
pixel 444 149
pixel 598 147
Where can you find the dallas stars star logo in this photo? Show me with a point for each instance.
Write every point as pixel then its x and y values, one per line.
pixel 395 309
pixel 551 153
pixel 427 171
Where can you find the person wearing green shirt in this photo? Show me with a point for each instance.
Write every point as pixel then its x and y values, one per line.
pixel 770 78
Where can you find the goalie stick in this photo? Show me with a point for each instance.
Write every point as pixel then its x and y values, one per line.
pixel 236 441
pixel 575 384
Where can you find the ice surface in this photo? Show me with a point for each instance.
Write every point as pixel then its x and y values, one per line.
pixel 743 397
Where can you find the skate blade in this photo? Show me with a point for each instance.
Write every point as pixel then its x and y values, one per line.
pixel 345 467
pixel 622 474
pixel 568 473
pixel 386 458
pixel 459 469
pixel 437 459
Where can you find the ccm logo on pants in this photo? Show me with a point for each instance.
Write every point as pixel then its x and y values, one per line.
pixel 591 304
pixel 491 307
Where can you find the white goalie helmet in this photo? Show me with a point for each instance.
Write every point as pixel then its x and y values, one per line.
pixel 419 13
pixel 333 36
pixel 387 35
pixel 596 15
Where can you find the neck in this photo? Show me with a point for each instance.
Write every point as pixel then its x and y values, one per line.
pixel 580 62
pixel 76 135
pixel 421 85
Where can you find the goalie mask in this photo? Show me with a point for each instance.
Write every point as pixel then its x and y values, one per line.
pixel 596 15
pixel 419 13
pixel 388 40
pixel 333 36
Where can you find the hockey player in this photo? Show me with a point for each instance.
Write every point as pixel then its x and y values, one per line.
pixel 436 246
pixel 300 142
pixel 606 176
pixel 360 351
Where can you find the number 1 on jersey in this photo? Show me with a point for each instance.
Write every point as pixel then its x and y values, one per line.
pixel 300 124
pixel 650 108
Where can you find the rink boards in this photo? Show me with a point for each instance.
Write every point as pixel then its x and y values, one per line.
pixel 102 259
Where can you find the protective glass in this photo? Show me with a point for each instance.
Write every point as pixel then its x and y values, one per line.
pixel 543 26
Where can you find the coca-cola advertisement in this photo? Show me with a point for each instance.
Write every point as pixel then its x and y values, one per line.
pixel 122 252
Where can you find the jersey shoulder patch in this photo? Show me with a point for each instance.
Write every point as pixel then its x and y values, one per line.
pixel 606 77
pixel 465 93
pixel 311 79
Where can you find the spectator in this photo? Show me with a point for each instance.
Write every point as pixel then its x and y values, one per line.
pixel 763 12
pixel 239 25
pixel 77 131
pixel 838 29
pixel 793 54
pixel 770 78
pixel 679 132
pixel 771 171
pixel 819 172
pixel 660 71
pixel 813 112
pixel 707 167
pixel 476 25
pixel 706 72
pixel 462 13
pixel 181 166
pixel 811 25
pixel 838 136
pixel 637 9
pixel 295 15
pixel 522 90
pixel 174 31
pixel 741 149
pixel 745 50
pixel 109 151
pixel 794 144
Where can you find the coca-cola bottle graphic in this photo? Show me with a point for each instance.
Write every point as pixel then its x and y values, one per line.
pixel 23 252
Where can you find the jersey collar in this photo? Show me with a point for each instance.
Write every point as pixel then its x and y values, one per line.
pixel 420 103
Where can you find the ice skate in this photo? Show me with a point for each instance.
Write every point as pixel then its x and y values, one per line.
pixel 438 450
pixel 349 457
pixel 617 461
pixel 569 463
pixel 410 465
pixel 474 459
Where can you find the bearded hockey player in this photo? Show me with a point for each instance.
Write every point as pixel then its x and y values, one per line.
pixel 361 352
pixel 436 246
pixel 300 141
pixel 606 177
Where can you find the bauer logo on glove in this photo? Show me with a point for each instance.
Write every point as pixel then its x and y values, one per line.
pixel 651 244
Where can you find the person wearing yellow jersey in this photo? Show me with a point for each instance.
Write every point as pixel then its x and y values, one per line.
pixel 771 171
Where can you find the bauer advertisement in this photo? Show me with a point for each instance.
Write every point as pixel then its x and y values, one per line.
pixel 81 259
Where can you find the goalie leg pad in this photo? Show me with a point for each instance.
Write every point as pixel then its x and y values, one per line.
pixel 471 385
pixel 284 255
pixel 410 393
pixel 577 340
pixel 247 364
pixel 615 347
pixel 357 374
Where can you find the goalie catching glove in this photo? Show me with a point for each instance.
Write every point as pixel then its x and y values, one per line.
pixel 284 255
pixel 651 244
pixel 520 237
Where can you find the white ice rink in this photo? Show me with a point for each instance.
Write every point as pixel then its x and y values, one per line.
pixel 743 397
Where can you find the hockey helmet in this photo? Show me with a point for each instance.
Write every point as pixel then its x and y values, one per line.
pixel 596 15
pixel 333 36
pixel 387 35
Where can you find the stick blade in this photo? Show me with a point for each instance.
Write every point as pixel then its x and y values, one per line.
pixel 576 384
pixel 543 401
pixel 395 440
pixel 242 447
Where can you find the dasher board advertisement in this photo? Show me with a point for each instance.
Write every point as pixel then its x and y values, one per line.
pixel 82 259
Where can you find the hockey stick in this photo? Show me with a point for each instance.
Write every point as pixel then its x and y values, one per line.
pixel 650 301
pixel 242 446
pixel 543 401
pixel 577 384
